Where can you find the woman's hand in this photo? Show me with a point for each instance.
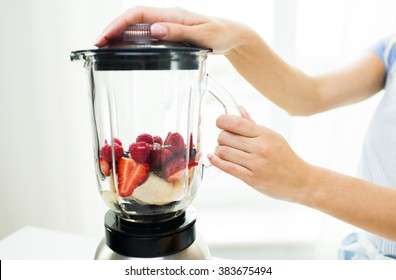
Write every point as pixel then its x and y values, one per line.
pixel 176 24
pixel 260 157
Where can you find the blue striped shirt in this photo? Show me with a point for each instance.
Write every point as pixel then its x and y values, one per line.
pixel 378 163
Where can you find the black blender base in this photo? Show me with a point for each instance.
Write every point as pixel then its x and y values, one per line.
pixel 198 250
pixel 174 239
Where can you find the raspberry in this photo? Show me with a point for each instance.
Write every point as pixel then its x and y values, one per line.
pixel 118 151
pixel 145 138
pixel 105 152
pixel 174 142
pixel 116 141
pixel 139 151
pixel 158 140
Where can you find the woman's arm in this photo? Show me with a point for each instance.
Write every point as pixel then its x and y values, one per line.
pixel 299 93
pixel 263 159
pixel 289 88
pixel 358 202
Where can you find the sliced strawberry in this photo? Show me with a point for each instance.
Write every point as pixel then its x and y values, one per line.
pixel 159 157
pixel 174 170
pixel 193 154
pixel 176 176
pixel 192 164
pixel 130 175
pixel 192 150
pixel 104 167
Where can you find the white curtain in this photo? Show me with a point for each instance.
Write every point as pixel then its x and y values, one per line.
pixel 46 167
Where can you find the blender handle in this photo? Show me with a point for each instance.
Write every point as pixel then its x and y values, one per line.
pixel 227 101
pixel 224 97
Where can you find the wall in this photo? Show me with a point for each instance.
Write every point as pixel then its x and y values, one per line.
pixel 46 163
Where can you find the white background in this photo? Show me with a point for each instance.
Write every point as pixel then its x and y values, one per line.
pixel 46 165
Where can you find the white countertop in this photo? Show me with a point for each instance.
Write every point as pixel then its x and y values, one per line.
pixel 33 243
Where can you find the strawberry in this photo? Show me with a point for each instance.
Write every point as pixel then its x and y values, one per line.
pixel 192 164
pixel 139 151
pixel 192 150
pixel 174 170
pixel 105 152
pixel 159 157
pixel 193 154
pixel 104 167
pixel 174 142
pixel 130 175
pixel 145 138
pixel 191 141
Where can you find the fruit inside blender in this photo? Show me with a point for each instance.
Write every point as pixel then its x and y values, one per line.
pixel 151 171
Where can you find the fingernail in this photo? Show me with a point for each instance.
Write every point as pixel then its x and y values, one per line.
pixel 210 156
pixel 100 41
pixel 158 30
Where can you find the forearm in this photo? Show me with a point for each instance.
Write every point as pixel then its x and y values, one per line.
pixel 355 201
pixel 284 85
pixel 264 160
pixel 297 92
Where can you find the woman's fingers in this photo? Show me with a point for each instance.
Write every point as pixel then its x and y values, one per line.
pixel 233 155
pixel 235 141
pixel 237 125
pixel 179 17
pixel 229 167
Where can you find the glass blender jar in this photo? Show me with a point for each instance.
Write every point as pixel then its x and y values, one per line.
pixel 146 98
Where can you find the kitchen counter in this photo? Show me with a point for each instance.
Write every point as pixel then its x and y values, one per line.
pixel 34 243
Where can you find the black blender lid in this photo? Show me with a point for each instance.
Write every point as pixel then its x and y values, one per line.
pixel 139 51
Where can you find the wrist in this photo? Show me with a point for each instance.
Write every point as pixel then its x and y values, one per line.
pixel 311 193
pixel 244 41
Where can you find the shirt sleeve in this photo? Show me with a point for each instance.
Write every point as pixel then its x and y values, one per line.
pixel 380 49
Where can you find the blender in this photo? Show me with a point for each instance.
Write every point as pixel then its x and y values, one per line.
pixel 146 102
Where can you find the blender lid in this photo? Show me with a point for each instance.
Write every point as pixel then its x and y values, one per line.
pixel 138 50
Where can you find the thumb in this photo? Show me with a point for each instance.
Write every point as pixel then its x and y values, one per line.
pixel 169 31
pixel 159 31
pixel 245 114
pixel 172 32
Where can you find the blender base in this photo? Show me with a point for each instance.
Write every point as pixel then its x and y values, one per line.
pixel 174 239
pixel 197 251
